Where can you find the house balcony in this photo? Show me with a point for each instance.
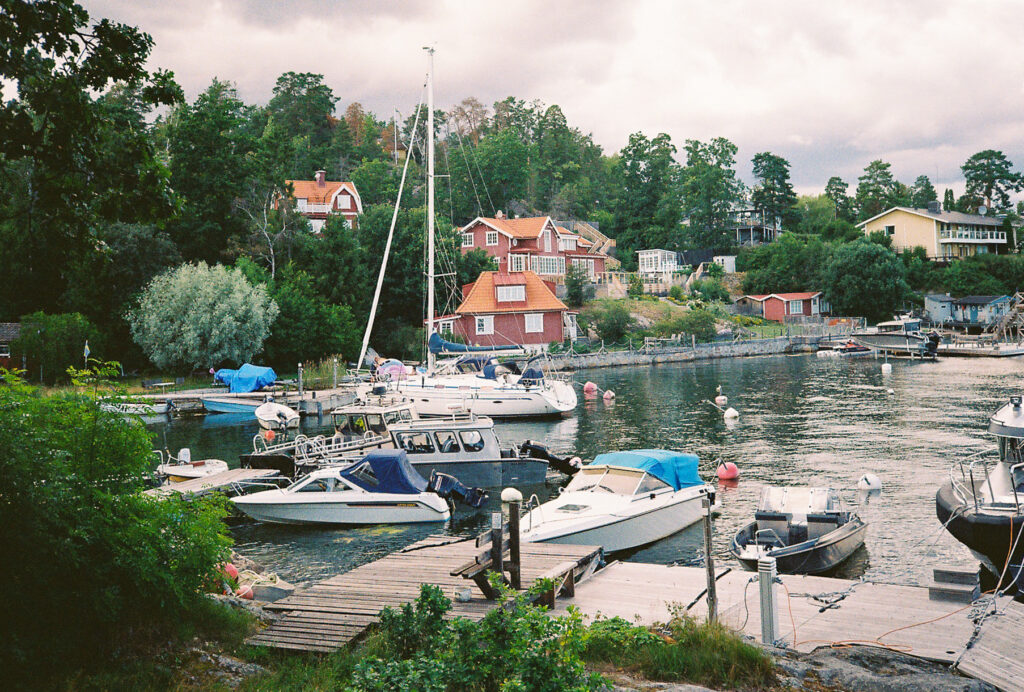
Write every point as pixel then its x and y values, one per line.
pixel 972 236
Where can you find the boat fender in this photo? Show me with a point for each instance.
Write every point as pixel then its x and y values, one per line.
pixel 731 413
pixel 727 471
pixel 869 482
pixel 589 388
pixel 609 395
pixel 269 435
pixel 886 368
pixel 245 592
pixel 721 400
pixel 229 570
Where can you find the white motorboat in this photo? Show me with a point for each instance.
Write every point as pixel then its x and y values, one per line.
pixel 902 336
pixel 380 488
pixel 182 468
pixel 274 416
pixel 623 500
pixel 137 408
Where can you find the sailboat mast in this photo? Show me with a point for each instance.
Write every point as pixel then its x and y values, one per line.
pixel 430 203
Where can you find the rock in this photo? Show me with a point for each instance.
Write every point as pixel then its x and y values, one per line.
pixel 269 593
pixel 242 562
pixel 625 683
pixel 251 607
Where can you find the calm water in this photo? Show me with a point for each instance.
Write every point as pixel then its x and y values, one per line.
pixel 803 420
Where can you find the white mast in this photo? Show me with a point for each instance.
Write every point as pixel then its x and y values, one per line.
pixel 430 203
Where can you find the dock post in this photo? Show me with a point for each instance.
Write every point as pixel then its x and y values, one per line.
pixel 709 562
pixel 515 566
pixel 300 381
pixel 766 575
pixel 497 522
pixel 335 386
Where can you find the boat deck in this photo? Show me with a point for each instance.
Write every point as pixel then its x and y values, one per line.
pixel 215 481
pixel 335 611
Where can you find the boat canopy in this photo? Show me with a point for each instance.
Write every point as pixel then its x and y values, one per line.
pixel 386 471
pixel 437 344
pixel 678 469
pixel 248 378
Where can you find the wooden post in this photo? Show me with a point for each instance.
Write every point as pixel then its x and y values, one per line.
pixel 335 364
pixel 515 566
pixel 496 560
pixel 300 380
pixel 709 562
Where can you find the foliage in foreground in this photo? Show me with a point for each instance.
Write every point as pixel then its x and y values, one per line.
pixel 95 565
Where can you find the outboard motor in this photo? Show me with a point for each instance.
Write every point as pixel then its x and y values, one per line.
pixel 450 487
pixel 567 465
pixel 932 346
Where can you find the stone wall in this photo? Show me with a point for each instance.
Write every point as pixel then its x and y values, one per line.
pixel 731 349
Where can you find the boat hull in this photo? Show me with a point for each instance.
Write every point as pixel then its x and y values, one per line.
pixel 387 509
pixel 497 473
pixel 176 473
pixel 230 405
pixel 988 536
pixel 810 557
pixel 497 402
pixel 911 344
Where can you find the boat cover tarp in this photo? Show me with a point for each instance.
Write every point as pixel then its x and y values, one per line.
pixel 392 470
pixel 248 378
pixel 678 469
pixel 436 344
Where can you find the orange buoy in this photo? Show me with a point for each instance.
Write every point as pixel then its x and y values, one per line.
pixel 728 471
pixel 229 570
pixel 245 592
pixel 589 388
pixel 269 435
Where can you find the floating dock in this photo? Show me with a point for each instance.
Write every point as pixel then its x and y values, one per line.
pixel 981 350
pixel 215 481
pixel 309 403
pixel 331 613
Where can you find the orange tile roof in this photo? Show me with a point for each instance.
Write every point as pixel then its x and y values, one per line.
pixel 314 194
pixel 519 228
pixel 483 300
pixel 784 296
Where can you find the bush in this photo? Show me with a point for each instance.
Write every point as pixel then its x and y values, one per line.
pixel 677 293
pixel 711 290
pixel 95 565
pixel 613 321
pixel 636 286
pixel 714 270
pixel 52 343
pixel 578 289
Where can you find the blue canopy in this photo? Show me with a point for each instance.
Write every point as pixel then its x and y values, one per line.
pixel 678 469
pixel 247 378
pixel 391 469
pixel 437 344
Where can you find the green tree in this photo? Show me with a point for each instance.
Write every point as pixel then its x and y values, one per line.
pixel 710 190
pixel 303 106
pixel 578 289
pixel 864 279
pixel 922 192
pixel 836 190
pixel 201 316
pixel 773 195
pixel 636 286
pixel 948 200
pixel 700 323
pixel 612 321
pixel 990 176
pixel 377 182
pixel 876 190
pixel 791 263
pixel 970 278
pixel 648 211
pixel 51 343
pixel 814 212
pixel 711 290
pixel 922 273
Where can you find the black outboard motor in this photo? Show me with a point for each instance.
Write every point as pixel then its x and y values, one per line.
pixel 567 465
pixel 934 339
pixel 450 487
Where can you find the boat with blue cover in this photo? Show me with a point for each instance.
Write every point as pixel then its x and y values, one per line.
pixel 623 500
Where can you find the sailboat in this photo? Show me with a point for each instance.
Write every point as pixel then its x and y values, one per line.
pixel 529 394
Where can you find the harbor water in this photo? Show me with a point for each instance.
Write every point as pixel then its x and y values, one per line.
pixel 803 421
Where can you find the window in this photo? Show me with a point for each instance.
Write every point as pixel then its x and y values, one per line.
pixel 415 442
pixel 890 230
pixel 376 423
pixel 365 475
pixel 547 265
pixel 491 238
pixel 316 225
pixel 445 327
pixel 650 484
pixel 485 325
pixel 467 240
pixel 534 322
pixel 319 485
pixel 517 263
pixel 447 443
pixel 510 294
pixel 547 241
pixel 472 441
pixel 301 204
pixel 566 244
pixel 586 264
pixel 794 307
pixel 5 351
pixel 344 202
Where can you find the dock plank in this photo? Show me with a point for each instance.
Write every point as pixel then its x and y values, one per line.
pixel 995 655
pixel 214 481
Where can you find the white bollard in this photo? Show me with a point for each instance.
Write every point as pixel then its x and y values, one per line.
pixel 769 605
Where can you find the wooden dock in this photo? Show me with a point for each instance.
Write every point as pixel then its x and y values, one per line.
pixel 981 350
pixel 215 481
pixel 333 612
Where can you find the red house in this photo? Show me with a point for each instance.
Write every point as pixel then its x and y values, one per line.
pixel 533 244
pixel 780 306
pixel 316 199
pixel 510 308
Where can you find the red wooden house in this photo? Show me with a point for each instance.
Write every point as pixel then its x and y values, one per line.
pixel 533 244
pixel 316 199
pixel 780 306
pixel 510 308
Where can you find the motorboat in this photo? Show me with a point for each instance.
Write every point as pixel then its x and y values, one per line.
pixel 232 403
pixel 183 468
pixel 137 408
pixel 806 530
pixel 902 336
pixel 845 350
pixel 623 500
pixel 380 488
pixel 274 416
pixel 982 503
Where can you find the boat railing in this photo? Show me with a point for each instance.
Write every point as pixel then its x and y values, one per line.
pixel 534 500
pixel 773 537
pixel 260 445
pixel 1013 485
pixel 321 447
pixel 965 488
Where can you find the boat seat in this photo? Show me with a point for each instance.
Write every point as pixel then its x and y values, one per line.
pixel 773 524
pixel 820 524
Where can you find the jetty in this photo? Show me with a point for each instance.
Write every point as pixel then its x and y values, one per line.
pixel 308 402
pixel 214 482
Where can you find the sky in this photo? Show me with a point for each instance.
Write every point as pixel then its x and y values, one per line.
pixel 829 85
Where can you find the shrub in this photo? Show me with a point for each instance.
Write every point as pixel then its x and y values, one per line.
pixel 94 563
pixel 578 289
pixel 711 290
pixel 677 293
pixel 714 270
pixel 613 322
pixel 636 286
pixel 51 343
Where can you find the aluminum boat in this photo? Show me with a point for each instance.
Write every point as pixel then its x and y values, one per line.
pixel 902 336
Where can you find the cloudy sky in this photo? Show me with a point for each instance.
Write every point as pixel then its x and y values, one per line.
pixel 828 85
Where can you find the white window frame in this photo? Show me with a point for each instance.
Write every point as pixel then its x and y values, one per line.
pixel 484 325
pixel 300 204
pixel 5 350
pixel 587 264
pixel 791 303
pixel 491 238
pixel 446 327
pixel 517 263
pixel 344 202
pixel 567 244
pixel 534 317
pixel 547 241
pixel 514 293
pixel 468 240
pixel 547 265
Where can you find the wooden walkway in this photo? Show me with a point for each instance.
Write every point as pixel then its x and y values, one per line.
pixel 335 611
pixel 215 481
pixel 995 655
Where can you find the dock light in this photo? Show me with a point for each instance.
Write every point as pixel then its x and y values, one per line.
pixel 1015 400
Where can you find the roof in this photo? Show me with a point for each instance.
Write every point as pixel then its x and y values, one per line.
pixel 943 216
pixel 514 279
pixel 806 295
pixel 523 229
pixel 481 298
pixel 9 331
pixel 657 250
pixel 678 469
pixel 980 300
pixel 311 191
pixel 940 298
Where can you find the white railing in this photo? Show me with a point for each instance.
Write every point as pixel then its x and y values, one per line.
pixel 997 236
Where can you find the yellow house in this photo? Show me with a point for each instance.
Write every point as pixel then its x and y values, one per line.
pixel 940 233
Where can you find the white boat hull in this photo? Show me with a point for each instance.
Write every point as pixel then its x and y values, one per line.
pixel 280 507
pixel 196 469
pixel 437 399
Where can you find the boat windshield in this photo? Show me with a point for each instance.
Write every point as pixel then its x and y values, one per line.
pixel 618 481
pixel 317 485
pixel 798 500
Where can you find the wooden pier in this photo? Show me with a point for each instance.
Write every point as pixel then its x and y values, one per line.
pixel 333 612
pixel 215 481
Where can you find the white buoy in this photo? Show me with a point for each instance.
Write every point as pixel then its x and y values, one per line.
pixel 869 482
pixel 886 368
pixel 890 391
pixel 608 395
pixel 731 413
pixel 721 400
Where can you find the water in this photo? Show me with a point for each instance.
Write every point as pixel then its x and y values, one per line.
pixel 803 420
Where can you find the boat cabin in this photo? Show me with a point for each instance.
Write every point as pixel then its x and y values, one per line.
pixel 385 471
pixel 354 421
pixel 462 437
pixel 791 515
pixel 620 481
pixel 900 326
pixel 1006 485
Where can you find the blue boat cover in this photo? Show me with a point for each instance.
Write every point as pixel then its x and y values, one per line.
pixel 392 470
pixel 437 344
pixel 248 378
pixel 678 469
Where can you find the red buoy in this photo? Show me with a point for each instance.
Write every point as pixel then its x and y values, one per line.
pixel 728 471
pixel 230 570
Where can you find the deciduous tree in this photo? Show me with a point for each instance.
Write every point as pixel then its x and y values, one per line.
pixel 710 190
pixel 864 279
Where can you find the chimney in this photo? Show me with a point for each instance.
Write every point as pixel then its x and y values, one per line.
pixel 499 215
pixel 321 178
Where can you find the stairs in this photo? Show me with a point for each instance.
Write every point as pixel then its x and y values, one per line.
pixel 1010 327
pixel 954 585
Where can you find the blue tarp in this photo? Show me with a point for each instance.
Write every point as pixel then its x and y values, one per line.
pixel 392 470
pixel 247 378
pixel 678 469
